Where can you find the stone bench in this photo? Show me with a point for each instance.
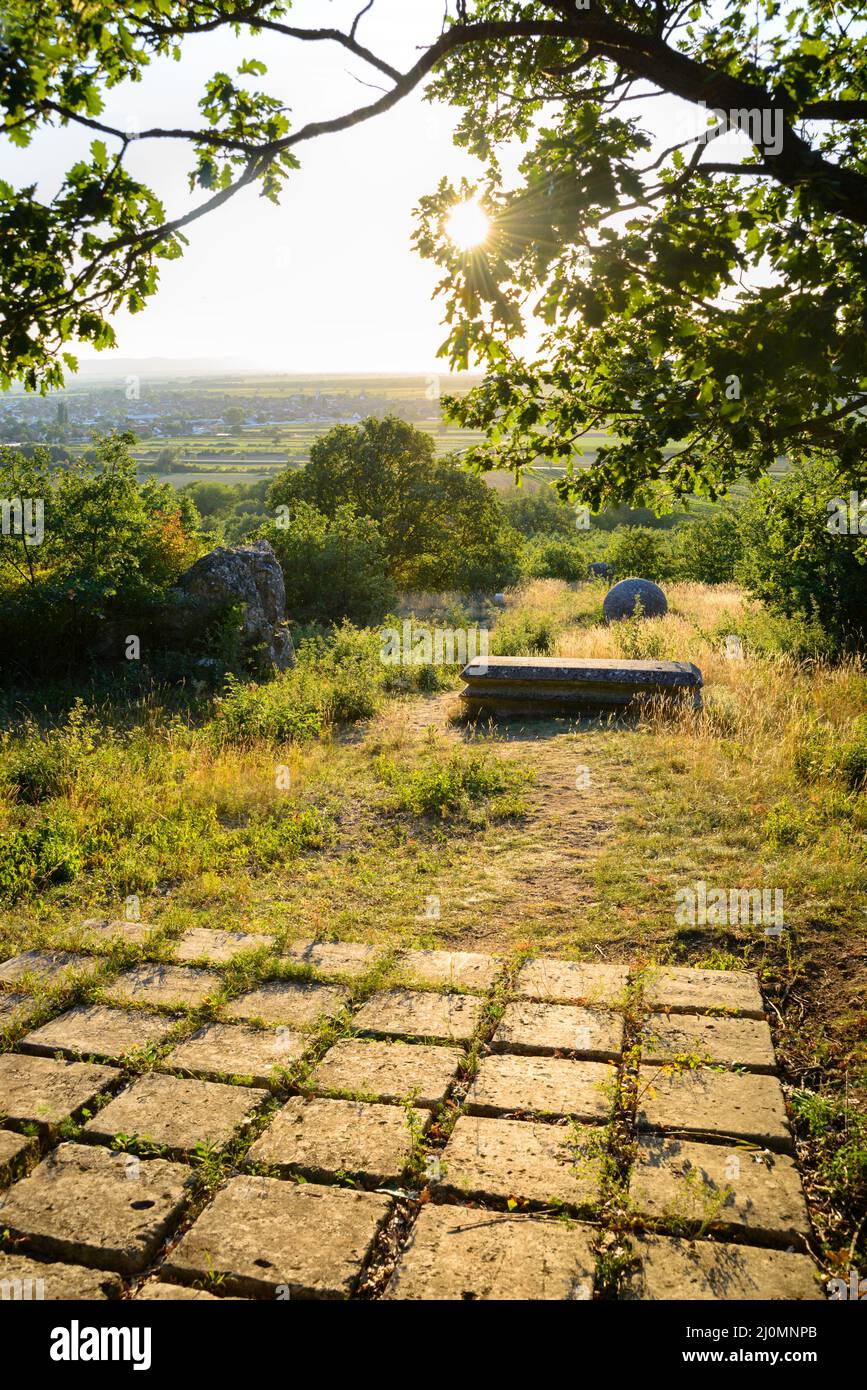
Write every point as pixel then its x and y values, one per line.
pixel 543 685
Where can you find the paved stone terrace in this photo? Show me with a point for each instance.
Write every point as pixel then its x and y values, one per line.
pixel 466 1127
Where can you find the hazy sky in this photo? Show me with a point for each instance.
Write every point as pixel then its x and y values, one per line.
pixel 326 281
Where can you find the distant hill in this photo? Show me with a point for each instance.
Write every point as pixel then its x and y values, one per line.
pixel 110 368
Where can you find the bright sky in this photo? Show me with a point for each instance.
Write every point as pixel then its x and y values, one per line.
pixel 328 280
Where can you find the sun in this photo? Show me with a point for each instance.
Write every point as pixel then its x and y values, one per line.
pixel 468 226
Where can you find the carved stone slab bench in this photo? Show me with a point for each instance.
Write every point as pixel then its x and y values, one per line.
pixel 543 685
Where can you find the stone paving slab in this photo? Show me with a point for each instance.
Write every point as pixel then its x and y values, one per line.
pixel 298 1003
pixel 47 968
pixel 13 1148
pixel 320 1138
pixel 232 1049
pixel 460 969
pixel 391 1071
pixel 541 1086
pixel 683 1269
pixel 44 1091
pixel 343 959
pixel 176 1112
pixel 528 1026
pixel 728 1104
pixel 550 1056
pixel 155 1290
pixel 131 1206
pixel 16 1010
pixel 748 1191
pixel 172 986
pixel 572 982
pixel 21 1277
pixel 461 1253
pixel 93 1030
pixel 502 1159
pixel 99 931
pixel 217 947
pixel 741 1042
pixel 413 1014
pixel 682 990
pixel 264 1233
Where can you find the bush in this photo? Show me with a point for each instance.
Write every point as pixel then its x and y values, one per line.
pixel 851 763
pixel 334 567
pixel 524 632
pixel 771 634
pixel 36 856
pixel 44 765
pixel 817 754
pixel 795 563
pixel 554 557
pixel 707 551
pixel 111 549
pixel 539 514
pixel 641 552
pixel 787 824
pixel 838 1134
pixel 137 849
pixel 287 709
pixel 347 665
pixel 638 637
pixel 336 678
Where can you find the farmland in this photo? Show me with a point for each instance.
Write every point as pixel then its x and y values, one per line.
pixel 243 429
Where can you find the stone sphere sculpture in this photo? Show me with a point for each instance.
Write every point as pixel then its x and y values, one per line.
pixel 620 601
pixel 600 569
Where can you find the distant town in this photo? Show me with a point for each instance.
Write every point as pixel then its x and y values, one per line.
pixel 220 425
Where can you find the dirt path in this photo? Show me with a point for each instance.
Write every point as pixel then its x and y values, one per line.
pixel 537 874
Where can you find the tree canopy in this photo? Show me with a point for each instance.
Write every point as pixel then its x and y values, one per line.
pixel 709 311
pixel 441 528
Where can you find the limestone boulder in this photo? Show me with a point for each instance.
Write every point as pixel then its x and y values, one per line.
pixel 245 576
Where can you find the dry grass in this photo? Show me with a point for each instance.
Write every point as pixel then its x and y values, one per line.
pixel 746 793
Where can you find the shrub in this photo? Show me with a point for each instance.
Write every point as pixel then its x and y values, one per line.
pixel 136 849
pixel 816 754
pixel 554 557
pixel 852 760
pixel 539 514
pixel 287 709
pixel 337 678
pixel 334 567
pixel 707 551
pixel 838 1134
pixel 35 856
pixel 794 562
pixel 787 824
pixel 638 637
pixel 45 765
pixel 640 551
pixel 524 632
pixel 427 676
pixel 768 633
pixel 347 665
pixel 111 548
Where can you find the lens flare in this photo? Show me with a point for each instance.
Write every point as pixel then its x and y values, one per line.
pixel 468 226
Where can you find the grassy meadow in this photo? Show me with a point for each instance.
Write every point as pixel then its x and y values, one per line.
pixel 347 799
